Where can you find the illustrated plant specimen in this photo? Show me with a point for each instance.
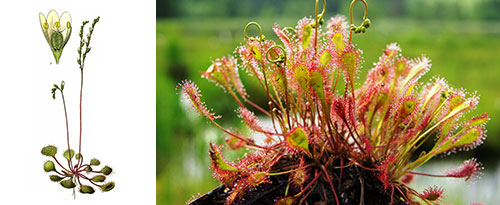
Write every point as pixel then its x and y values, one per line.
pixel 332 145
pixel 70 177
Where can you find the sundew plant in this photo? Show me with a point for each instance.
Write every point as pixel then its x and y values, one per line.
pixel 77 171
pixel 333 144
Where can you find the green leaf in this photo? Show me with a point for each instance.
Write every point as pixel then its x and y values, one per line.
pixel 338 42
pixel 325 58
pixel 108 186
pixel 316 82
pixel 218 161
pixel 68 184
pixel 256 52
pixel 49 166
pixel 348 60
pixel 479 120
pixel 85 189
pixel 68 154
pixel 49 151
pixel 95 162
pixel 407 107
pixel 469 137
pixel 99 178
pixel 55 178
pixel 301 74
pixel 257 178
pixel 106 170
pixel 306 35
pixel 298 139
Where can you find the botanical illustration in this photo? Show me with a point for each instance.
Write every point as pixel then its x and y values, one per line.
pixel 329 142
pixel 56 30
pixel 78 174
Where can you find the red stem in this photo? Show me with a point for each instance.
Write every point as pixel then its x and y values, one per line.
pixel 67 130
pixel 81 95
pixel 331 184
pixel 60 164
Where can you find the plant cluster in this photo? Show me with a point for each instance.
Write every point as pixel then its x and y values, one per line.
pixel 70 176
pixel 332 143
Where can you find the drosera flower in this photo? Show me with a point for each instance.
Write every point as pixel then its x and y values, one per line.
pixel 57 31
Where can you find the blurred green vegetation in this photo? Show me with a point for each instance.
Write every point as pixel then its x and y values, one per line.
pixel 414 9
pixel 466 53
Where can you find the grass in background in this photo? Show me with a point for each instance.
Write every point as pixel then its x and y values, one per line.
pixel 465 53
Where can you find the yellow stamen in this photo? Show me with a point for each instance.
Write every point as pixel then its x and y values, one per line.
pixel 68 24
pixel 57 24
pixel 45 25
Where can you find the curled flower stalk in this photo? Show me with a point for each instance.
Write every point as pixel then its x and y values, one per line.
pixel 77 171
pixel 331 145
pixel 57 30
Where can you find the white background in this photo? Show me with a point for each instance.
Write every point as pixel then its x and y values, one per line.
pixel 118 100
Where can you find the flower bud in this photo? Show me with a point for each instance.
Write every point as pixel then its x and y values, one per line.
pixel 106 170
pixel 108 186
pixel 49 166
pixel 49 151
pixel 99 178
pixel 95 162
pixel 68 184
pixel 367 23
pixel 362 29
pixel 55 178
pixel 85 189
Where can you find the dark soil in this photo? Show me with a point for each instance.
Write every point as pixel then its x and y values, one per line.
pixel 357 186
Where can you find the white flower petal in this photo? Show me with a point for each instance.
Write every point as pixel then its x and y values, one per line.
pixel 65 22
pixel 43 20
pixel 52 19
pixel 44 25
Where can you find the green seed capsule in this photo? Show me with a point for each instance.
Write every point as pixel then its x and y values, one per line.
pixel 49 166
pixel 84 189
pixel 68 184
pixel 106 170
pixel 55 178
pixel 89 169
pixel 49 151
pixel 99 178
pixel 108 186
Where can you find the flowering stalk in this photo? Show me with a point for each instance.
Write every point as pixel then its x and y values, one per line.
pixel 69 177
pixel 360 141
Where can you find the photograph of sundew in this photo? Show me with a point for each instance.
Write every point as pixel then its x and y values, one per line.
pixel 336 102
